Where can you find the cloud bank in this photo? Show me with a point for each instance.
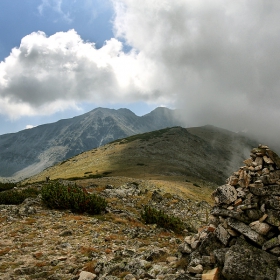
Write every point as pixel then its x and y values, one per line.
pixel 216 60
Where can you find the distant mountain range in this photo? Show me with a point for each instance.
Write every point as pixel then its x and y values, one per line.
pixel 28 152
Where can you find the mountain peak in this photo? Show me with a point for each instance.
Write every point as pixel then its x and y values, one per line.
pixel 25 153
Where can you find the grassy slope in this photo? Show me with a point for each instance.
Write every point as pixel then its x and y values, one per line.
pixel 173 158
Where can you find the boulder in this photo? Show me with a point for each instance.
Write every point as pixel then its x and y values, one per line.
pixel 225 194
pixel 246 262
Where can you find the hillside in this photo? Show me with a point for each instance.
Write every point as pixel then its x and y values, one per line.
pixel 202 242
pixel 30 151
pixel 205 154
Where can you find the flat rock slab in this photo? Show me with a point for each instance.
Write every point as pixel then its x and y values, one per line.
pixel 266 190
pixel 273 217
pixel 245 262
pixel 217 211
pixel 274 157
pixel 247 231
pixel 222 234
pixel 273 202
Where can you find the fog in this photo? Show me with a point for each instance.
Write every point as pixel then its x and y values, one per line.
pixel 216 61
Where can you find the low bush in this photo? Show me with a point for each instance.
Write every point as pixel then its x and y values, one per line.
pixel 7 186
pixel 58 196
pixel 15 197
pixel 153 216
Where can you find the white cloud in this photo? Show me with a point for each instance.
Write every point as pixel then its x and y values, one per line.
pixel 47 73
pixel 29 126
pixel 217 60
pixel 55 6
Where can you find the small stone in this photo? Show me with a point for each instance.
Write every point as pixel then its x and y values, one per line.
pixel 66 233
pixel 194 244
pixel 275 251
pixel 261 228
pixel 222 234
pixel 233 180
pixel 273 217
pixel 248 161
pixel 211 228
pixel 84 275
pixel 263 218
pixel 196 269
pixel 238 202
pixel 129 277
pixel 171 259
pixel 211 274
pixel 272 155
pixel 268 160
pixel 247 231
pixel 185 248
pixel 188 239
pixel 225 194
pixel 271 244
pixel 259 161
pixel 265 171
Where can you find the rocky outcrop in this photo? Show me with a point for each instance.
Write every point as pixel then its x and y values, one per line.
pixel 242 239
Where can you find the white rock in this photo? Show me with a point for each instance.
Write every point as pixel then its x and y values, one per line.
pixel 262 228
pixel 85 275
pixel 196 269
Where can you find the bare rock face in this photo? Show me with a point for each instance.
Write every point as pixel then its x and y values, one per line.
pixel 243 235
pixel 244 261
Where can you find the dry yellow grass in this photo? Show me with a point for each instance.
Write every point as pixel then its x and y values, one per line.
pixel 153 160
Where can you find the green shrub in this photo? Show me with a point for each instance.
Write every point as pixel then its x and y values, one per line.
pixel 57 196
pixel 7 186
pixel 153 216
pixel 15 197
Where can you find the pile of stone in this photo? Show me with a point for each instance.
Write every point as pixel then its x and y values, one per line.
pixel 242 239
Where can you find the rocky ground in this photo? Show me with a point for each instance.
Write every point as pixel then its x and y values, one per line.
pixel 39 243
pixel 236 239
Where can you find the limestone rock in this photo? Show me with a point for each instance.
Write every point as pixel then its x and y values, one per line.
pixel 211 274
pixel 271 243
pixel 196 269
pixel 266 190
pixel 225 194
pixel 274 157
pixel 222 234
pixel 247 231
pixel 216 211
pixel 261 228
pixel 84 275
pixel 273 202
pixel 273 217
pixel 243 262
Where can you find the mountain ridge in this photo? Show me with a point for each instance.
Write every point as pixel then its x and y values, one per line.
pixel 182 153
pixel 29 151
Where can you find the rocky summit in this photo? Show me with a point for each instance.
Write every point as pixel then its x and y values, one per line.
pixel 242 239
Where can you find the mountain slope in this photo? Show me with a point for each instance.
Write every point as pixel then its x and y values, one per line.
pixel 29 151
pixel 205 153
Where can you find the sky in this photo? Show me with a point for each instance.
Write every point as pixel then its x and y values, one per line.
pixel 217 61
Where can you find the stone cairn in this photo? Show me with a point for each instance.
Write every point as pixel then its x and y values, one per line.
pixel 242 238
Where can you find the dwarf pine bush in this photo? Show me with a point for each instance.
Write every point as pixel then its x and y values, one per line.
pixel 7 186
pixel 153 216
pixel 58 196
pixel 15 197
